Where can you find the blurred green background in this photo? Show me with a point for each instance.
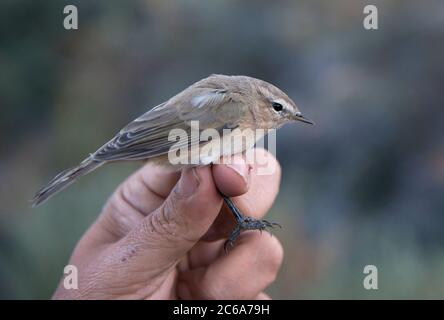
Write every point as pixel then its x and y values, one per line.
pixel 363 186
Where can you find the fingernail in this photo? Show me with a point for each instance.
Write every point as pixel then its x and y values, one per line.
pixel 183 292
pixel 239 166
pixel 189 181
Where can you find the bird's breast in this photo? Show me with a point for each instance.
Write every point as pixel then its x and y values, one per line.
pixel 214 145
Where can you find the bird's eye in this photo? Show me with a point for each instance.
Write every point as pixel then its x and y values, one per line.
pixel 277 106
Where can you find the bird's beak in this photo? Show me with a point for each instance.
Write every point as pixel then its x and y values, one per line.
pixel 299 117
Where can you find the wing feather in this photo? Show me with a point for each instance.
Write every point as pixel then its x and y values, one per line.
pixel 147 136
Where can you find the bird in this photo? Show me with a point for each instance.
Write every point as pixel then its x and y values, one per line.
pixel 240 105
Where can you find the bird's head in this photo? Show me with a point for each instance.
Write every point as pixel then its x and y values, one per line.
pixel 276 106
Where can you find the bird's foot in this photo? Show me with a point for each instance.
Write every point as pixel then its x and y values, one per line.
pixel 248 223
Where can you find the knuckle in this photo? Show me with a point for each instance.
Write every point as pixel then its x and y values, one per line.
pixel 118 216
pixel 167 222
pixel 163 223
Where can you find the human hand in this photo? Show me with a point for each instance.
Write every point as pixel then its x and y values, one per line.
pixel 161 236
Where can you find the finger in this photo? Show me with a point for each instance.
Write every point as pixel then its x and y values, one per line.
pixel 204 253
pixel 141 193
pixel 262 296
pixel 146 189
pixel 253 195
pixel 232 175
pixel 249 268
pixel 167 234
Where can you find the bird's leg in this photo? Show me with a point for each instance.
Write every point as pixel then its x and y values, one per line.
pixel 244 223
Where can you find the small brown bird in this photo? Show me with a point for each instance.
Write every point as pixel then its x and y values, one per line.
pixel 239 104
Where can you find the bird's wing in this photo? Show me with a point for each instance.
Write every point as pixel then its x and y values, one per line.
pixel 147 136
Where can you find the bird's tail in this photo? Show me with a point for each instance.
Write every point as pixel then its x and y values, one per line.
pixel 64 179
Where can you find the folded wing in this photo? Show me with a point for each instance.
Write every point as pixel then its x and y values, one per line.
pixel 147 136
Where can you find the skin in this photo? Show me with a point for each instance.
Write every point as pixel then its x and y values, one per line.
pixel 161 236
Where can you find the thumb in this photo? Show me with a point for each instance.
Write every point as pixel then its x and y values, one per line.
pixel 168 233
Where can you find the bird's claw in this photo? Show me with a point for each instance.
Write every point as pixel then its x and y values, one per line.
pixel 248 223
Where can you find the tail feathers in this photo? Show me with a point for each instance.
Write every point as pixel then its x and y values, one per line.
pixel 64 179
